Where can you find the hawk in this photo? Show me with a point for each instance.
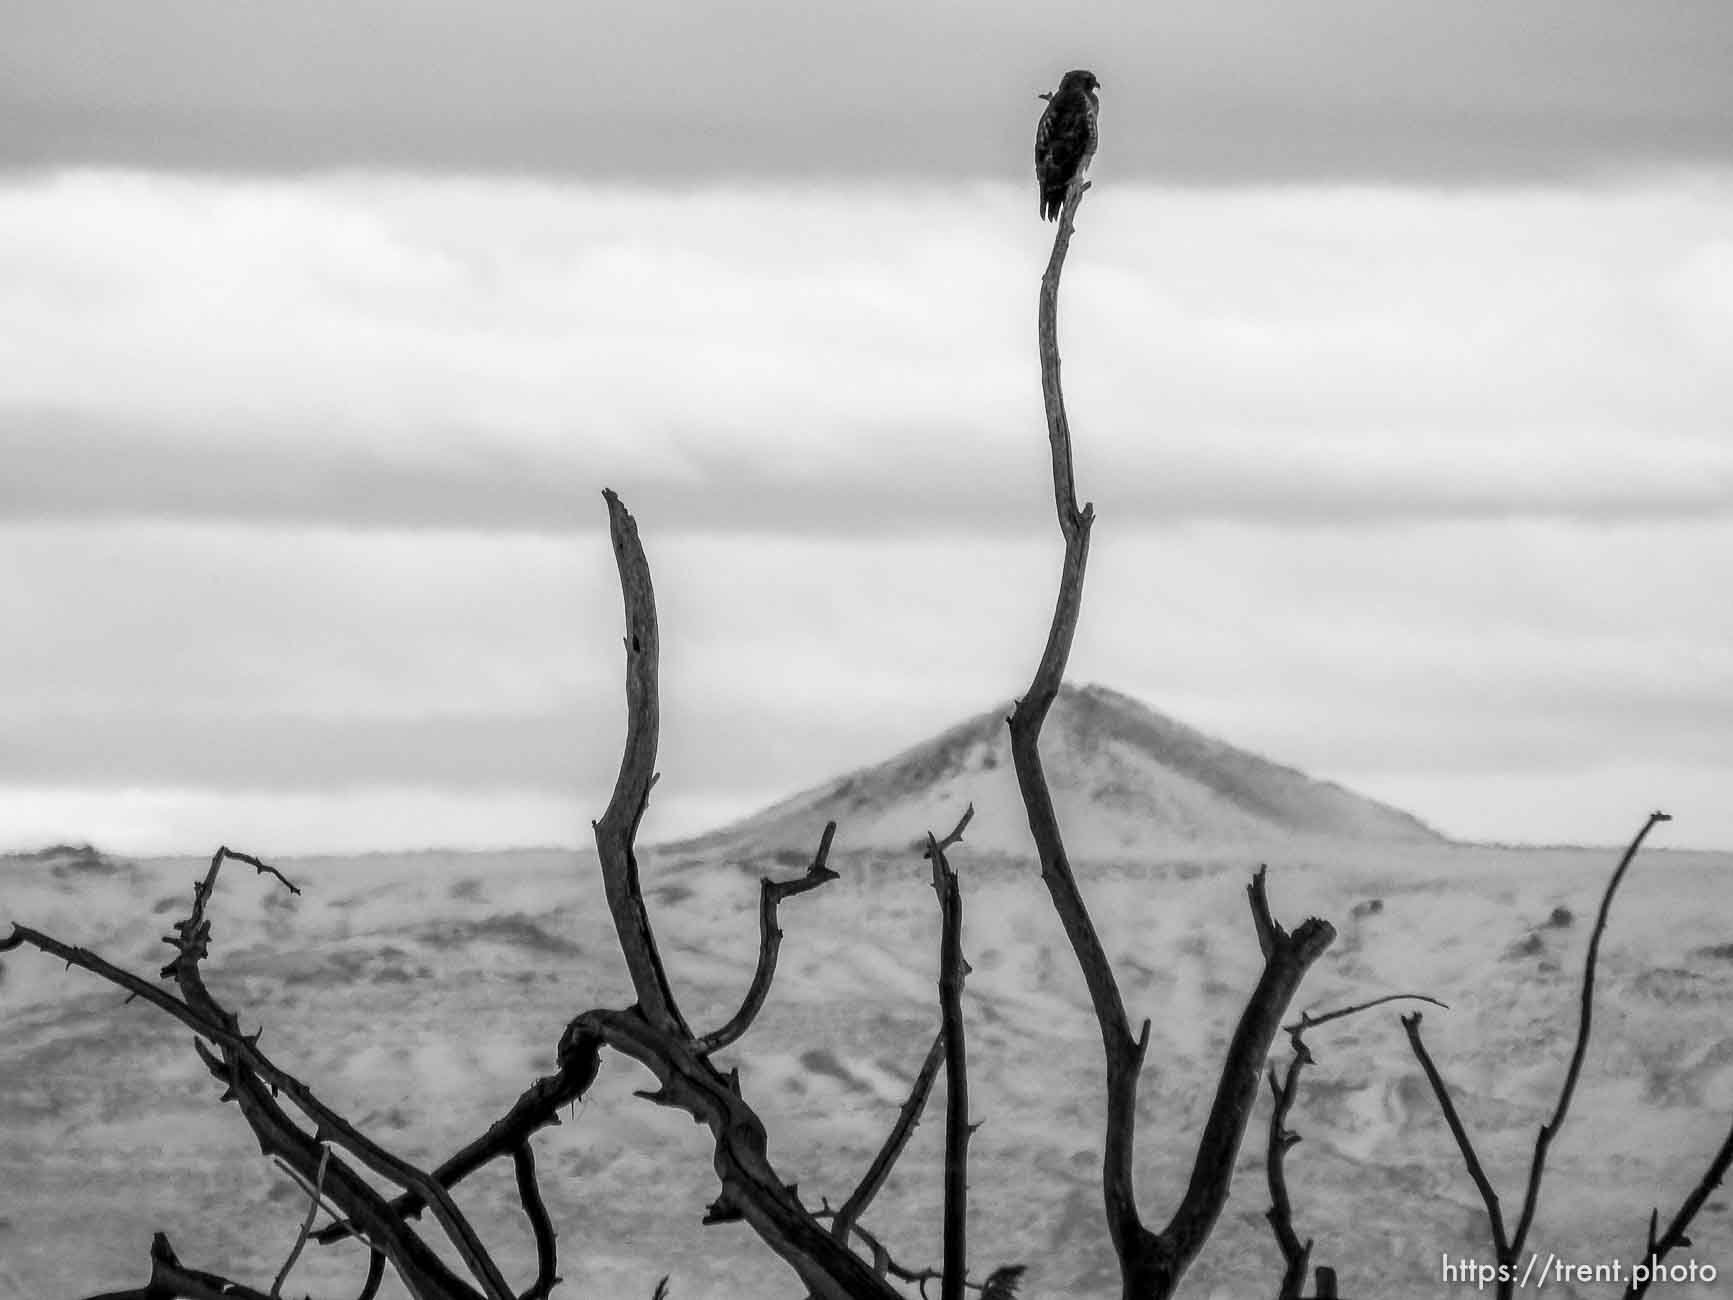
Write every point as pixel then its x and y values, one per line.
pixel 1065 139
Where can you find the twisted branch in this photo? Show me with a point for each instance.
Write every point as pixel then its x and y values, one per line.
pixel 770 894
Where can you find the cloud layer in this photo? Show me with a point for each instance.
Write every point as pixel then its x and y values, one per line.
pixel 1426 491
pixel 391 352
pixel 1234 90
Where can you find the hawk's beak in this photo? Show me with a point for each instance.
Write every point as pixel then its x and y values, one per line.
pixel 1045 94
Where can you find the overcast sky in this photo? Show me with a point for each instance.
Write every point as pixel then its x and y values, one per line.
pixel 1398 346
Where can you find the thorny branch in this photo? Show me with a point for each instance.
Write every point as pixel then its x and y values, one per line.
pixel 653 1032
pixel 253 1080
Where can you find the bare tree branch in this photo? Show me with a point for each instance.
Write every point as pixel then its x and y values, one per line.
pixel 908 1117
pixel 1151 1264
pixel 1295 1253
pixel 541 1226
pixel 1549 1130
pixel 617 829
pixel 952 968
pixel 244 1064
pixel 314 1196
pixel 1662 1244
pixel 751 1191
pixel 254 1080
pixel 1124 1053
pixel 375 1275
pixel 1507 1248
pixel 1464 1144
pixel 537 1108
pixel 653 1032
pixel 1287 958
pixel 770 894
pixel 1309 1021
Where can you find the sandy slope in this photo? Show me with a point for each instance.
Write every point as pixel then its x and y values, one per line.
pixel 419 992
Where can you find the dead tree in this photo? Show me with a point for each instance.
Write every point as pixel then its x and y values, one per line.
pixel 1151 1263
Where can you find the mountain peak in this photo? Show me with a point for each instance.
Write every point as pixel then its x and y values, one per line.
pixel 1127 782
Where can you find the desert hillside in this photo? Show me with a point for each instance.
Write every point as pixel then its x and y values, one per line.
pixel 420 992
pixel 1127 781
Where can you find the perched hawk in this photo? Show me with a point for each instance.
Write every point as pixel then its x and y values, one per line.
pixel 1065 140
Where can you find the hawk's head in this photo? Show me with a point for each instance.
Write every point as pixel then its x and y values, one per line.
pixel 1079 81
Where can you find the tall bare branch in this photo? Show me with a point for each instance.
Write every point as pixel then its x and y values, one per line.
pixel 617 829
pixel 1585 1016
pixel 952 969
pixel 1151 1264
pixel 1124 1053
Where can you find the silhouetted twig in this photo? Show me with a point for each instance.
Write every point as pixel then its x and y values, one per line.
pixel 908 1117
pixel 314 1196
pixel 1295 1253
pixel 770 894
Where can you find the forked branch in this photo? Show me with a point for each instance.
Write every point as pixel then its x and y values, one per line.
pixel 653 1032
pixel 1508 1246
